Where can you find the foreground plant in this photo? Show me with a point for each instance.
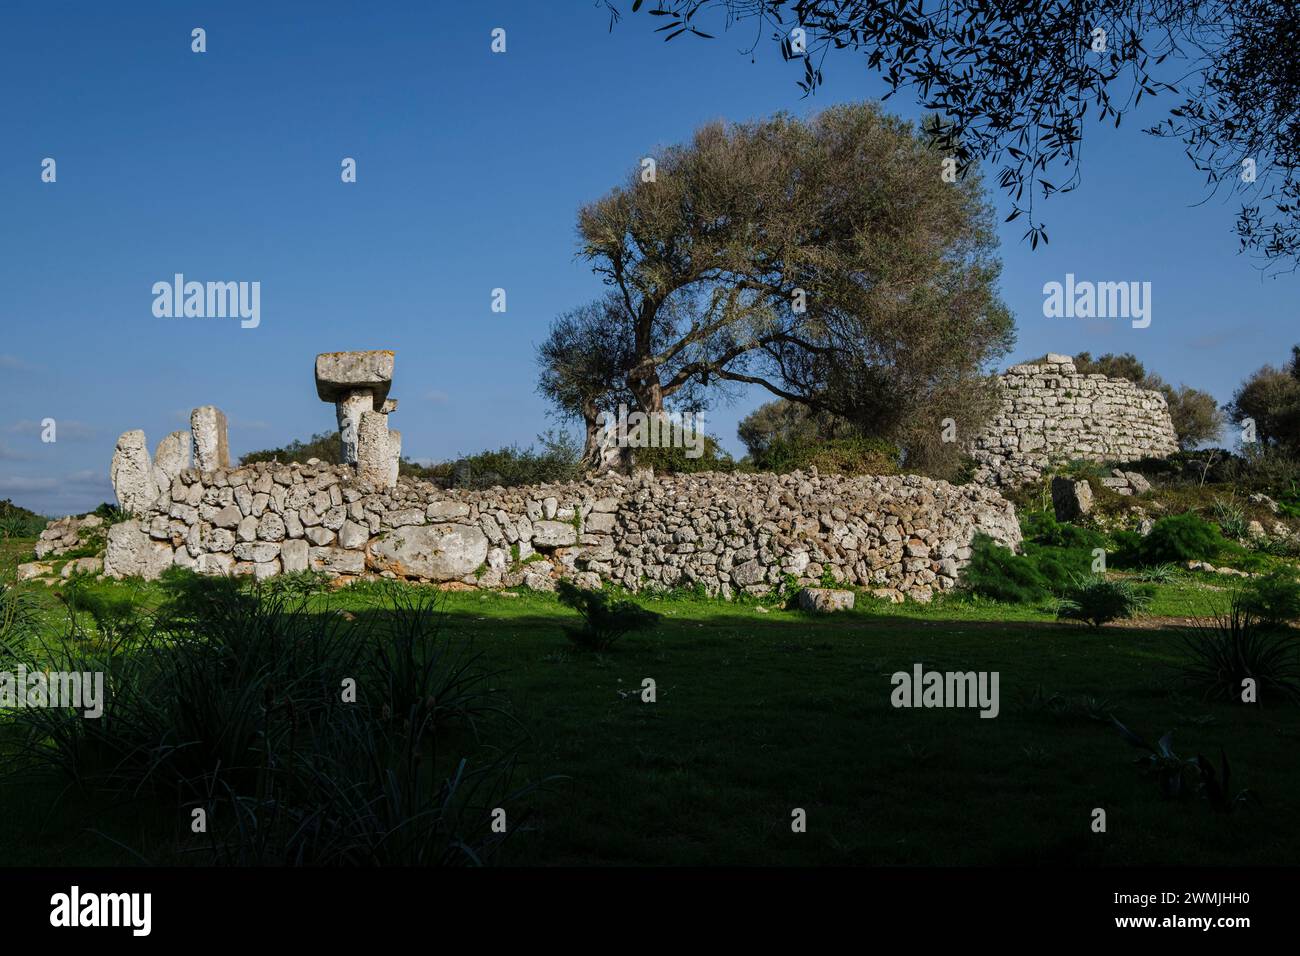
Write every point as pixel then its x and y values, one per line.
pixel 1100 601
pixel 604 620
pixel 1179 776
pixel 1235 647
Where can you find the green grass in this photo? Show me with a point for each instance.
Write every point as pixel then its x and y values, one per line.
pixel 759 713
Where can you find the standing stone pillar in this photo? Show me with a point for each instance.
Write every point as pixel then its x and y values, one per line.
pixel 132 473
pixel 374 450
pixel 348 410
pixel 211 445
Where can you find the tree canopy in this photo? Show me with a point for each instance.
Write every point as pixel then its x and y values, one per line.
pixel 1017 81
pixel 824 260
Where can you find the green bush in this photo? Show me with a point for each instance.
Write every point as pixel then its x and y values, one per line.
pixel 604 621
pixel 326 447
pixel 674 460
pixel 1100 601
pixel 998 573
pixel 1273 598
pixel 1180 538
pixel 1041 527
pixel 830 456
pixel 509 467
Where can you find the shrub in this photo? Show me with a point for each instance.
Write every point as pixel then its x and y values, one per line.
pixel 1233 647
pixel 1041 527
pixel 1180 538
pixel 558 460
pixel 236 705
pixel 672 460
pixel 1273 598
pixel 830 456
pixel 325 446
pixel 1100 601
pixel 604 621
pixel 999 573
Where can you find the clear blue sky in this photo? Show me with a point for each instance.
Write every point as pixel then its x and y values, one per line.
pixel 471 166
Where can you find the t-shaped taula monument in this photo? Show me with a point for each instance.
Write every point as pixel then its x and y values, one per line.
pixel 897 535
pixel 358 383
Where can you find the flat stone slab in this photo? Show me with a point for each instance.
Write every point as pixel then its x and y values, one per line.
pixel 338 373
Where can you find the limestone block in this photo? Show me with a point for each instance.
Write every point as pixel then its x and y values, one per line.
pixel 132 473
pixel 211 443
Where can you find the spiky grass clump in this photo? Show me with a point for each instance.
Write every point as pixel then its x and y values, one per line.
pixel 1100 601
pixel 1235 647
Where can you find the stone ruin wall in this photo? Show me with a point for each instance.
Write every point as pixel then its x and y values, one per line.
pixel 900 536
pixel 1051 414
pixel 897 535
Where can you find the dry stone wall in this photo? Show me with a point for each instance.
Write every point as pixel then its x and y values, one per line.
pixel 1051 414
pixel 897 535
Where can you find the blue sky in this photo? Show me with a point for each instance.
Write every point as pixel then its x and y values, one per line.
pixel 471 167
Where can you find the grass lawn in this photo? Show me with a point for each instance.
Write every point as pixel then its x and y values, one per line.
pixel 758 713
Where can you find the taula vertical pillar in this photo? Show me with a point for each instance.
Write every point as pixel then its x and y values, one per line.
pixel 358 383
pixel 211 445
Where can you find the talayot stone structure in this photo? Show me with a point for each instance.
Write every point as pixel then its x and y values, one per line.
pixel 1051 414
pixel 899 535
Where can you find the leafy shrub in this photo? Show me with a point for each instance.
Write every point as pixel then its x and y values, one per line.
pixel 559 459
pixel 1273 598
pixel 999 573
pixel 1041 527
pixel 604 620
pixel 324 446
pixel 1180 538
pixel 1233 647
pixel 672 460
pixel 1100 601
pixel 830 456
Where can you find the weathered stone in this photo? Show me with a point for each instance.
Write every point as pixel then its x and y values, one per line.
pixel 259 551
pixel 337 560
pixel 446 510
pixel 319 535
pixel 270 527
pixel 751 572
pixel 228 517
pixel 293 556
pixel 553 534
pixel 374 450
pixel 353 535
pixel 338 373
pixel 1071 499
pixel 823 600
pixel 211 443
pixel 132 473
pixel 170 458
pixel 132 553
pixel 34 569
pixel 441 552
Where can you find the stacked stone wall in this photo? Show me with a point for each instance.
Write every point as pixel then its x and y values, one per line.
pixel 730 534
